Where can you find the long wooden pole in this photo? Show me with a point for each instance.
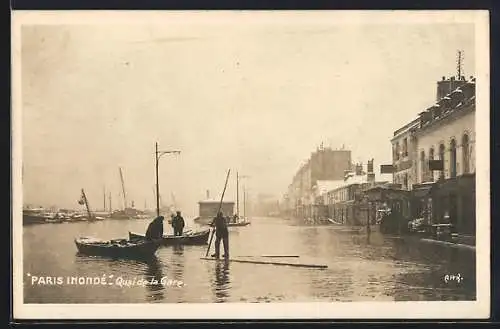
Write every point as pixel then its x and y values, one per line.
pixel 157 186
pixel 237 196
pixel 220 207
pixel 273 263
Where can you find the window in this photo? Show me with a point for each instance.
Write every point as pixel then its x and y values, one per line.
pixel 396 155
pixel 441 157
pixel 431 157
pixel 465 153
pixel 422 166
pixel 453 158
pixel 405 147
pixel 406 181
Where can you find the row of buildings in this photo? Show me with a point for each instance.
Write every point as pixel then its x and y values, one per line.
pixel 433 169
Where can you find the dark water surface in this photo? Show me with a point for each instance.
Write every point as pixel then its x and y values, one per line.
pixel 360 267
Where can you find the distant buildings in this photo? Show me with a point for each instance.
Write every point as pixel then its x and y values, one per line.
pixel 325 164
pixel 343 203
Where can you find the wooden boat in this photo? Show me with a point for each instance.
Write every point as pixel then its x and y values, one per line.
pixel 188 238
pixel 34 216
pixel 240 223
pixel 118 248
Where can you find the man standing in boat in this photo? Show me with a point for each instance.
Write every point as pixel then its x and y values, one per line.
pixel 155 229
pixel 221 233
pixel 178 224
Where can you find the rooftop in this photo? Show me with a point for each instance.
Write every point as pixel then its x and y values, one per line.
pixel 458 99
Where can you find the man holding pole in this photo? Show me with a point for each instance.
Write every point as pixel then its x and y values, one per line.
pixel 220 228
pixel 221 233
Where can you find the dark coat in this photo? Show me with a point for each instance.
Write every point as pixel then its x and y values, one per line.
pixel 155 229
pixel 220 226
pixel 178 222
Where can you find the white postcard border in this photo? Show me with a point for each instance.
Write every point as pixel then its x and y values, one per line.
pixel 368 310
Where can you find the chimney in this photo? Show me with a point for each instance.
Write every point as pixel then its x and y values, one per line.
pixel 208 194
pixel 446 86
pixel 370 166
pixel 359 169
pixel 370 177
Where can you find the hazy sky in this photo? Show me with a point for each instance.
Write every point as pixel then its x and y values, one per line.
pixel 257 98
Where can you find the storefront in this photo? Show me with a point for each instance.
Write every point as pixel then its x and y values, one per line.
pixel 397 200
pixel 454 202
pixel 421 203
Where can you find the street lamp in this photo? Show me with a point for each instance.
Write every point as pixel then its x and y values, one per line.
pixel 158 155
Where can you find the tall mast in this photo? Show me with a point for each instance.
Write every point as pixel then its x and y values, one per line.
pixel 459 64
pixel 110 208
pixel 244 202
pixel 123 189
pixel 174 203
pixel 104 198
pixel 86 204
pixel 157 186
pixel 237 195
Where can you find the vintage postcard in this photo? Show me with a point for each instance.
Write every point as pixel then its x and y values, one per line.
pixel 251 165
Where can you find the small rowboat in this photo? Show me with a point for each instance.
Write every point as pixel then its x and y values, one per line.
pixel 188 238
pixel 242 223
pixel 118 248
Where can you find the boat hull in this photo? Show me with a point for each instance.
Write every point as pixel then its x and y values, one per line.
pixel 238 224
pixel 33 219
pixel 118 248
pixel 203 220
pixel 208 221
pixel 198 238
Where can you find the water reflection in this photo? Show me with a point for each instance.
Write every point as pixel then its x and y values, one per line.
pixel 178 265
pixel 360 267
pixel 154 275
pixel 222 283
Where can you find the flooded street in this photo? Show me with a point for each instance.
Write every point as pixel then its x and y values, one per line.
pixel 360 267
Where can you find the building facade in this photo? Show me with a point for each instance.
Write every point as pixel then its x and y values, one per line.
pixel 404 155
pixel 344 202
pixel 325 164
pixel 434 157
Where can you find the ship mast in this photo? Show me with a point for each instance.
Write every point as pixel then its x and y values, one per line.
pixel 86 204
pixel 123 189
pixel 237 195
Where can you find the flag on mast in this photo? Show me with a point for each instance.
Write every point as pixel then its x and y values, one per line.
pixel 82 200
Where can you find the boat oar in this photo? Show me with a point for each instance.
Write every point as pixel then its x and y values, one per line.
pixel 220 207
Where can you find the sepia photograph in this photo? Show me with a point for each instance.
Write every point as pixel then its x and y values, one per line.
pixel 239 164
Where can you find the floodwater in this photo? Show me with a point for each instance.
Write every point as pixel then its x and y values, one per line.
pixel 360 267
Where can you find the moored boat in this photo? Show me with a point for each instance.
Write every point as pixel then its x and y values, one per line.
pixel 240 223
pixel 34 216
pixel 188 238
pixel 117 248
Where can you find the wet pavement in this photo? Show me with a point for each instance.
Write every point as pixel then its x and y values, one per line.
pixel 361 267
